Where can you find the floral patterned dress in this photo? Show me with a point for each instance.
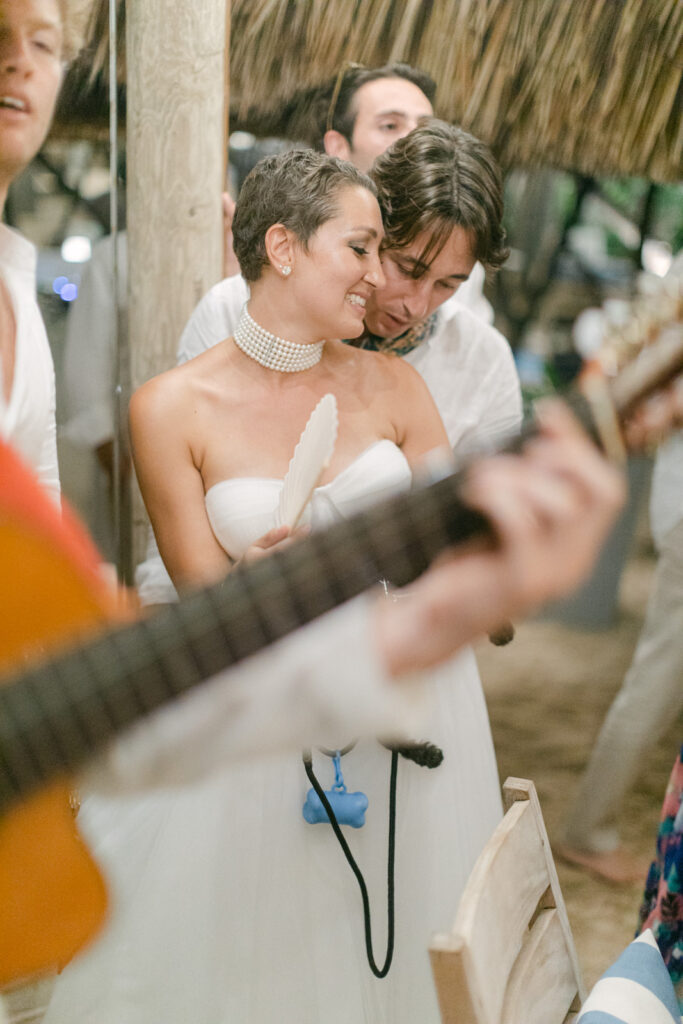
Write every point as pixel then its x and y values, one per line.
pixel 662 906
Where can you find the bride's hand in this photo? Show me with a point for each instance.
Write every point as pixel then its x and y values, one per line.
pixel 278 537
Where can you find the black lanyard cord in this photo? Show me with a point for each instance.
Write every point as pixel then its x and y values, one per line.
pixel 379 973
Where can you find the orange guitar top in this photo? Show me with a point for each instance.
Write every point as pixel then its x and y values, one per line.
pixel 52 898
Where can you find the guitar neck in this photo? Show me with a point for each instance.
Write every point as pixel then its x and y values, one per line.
pixel 54 717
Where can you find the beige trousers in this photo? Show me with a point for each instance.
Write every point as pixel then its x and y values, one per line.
pixel 650 698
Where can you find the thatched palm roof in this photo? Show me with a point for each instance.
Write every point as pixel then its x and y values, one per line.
pixel 590 85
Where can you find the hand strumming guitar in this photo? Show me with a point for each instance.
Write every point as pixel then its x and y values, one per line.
pixel 551 508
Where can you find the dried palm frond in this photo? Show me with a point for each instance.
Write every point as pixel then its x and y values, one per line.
pixel 592 85
pixel 589 85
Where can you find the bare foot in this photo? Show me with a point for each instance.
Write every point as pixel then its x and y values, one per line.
pixel 617 866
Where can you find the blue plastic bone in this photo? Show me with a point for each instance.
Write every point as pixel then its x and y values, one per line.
pixel 349 808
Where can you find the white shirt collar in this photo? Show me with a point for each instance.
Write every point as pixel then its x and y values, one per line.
pixel 17 254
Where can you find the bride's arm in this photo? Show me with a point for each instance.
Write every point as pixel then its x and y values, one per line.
pixel 161 414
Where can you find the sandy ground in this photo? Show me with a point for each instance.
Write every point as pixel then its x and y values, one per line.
pixel 547 693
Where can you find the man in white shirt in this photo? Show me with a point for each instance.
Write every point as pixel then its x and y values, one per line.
pixel 33 44
pixel 441 196
pixel 364 111
pixel 31 51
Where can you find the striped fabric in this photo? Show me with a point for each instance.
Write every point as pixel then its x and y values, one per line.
pixel 636 989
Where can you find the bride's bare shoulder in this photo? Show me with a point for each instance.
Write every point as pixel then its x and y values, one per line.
pixel 170 393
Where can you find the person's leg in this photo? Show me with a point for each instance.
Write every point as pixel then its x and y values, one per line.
pixel 650 696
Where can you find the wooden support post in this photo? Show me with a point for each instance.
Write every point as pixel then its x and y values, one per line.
pixel 176 61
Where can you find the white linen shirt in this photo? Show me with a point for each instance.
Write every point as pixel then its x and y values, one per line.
pixel 27 420
pixel 469 369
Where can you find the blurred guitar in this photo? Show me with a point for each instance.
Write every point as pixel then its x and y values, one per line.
pixel 74 685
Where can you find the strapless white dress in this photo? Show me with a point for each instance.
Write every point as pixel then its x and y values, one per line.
pixel 228 908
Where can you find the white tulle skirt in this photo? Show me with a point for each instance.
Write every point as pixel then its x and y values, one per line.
pixel 228 908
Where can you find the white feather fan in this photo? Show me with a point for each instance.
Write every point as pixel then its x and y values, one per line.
pixel 311 456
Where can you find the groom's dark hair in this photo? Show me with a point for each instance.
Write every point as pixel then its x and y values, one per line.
pixel 434 179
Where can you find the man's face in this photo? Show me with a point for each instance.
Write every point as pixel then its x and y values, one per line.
pixel 386 110
pixel 30 76
pixel 406 299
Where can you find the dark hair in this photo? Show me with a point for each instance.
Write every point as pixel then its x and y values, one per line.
pixel 345 113
pixel 434 179
pixel 298 188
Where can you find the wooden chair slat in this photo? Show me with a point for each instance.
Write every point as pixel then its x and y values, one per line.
pixel 543 977
pixel 510 956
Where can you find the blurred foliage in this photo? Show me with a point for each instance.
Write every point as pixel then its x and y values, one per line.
pixel 668 215
pixel 616 248
pixel 626 194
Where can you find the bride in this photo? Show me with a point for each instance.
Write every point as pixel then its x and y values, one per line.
pixel 228 906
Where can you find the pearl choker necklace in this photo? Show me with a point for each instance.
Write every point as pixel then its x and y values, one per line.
pixel 273 352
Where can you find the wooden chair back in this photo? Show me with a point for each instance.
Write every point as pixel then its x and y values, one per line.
pixel 510 957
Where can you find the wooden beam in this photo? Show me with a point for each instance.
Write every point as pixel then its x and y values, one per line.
pixel 176 60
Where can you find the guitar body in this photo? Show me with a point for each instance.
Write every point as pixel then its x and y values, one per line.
pixel 52 897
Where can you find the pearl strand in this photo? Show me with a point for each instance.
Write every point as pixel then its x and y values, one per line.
pixel 272 352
